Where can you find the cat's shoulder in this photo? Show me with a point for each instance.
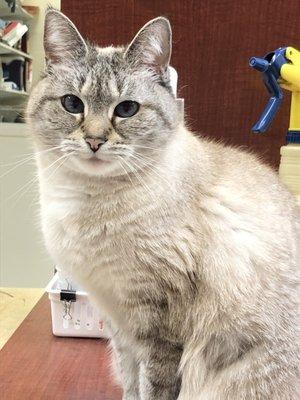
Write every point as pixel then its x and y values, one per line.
pixel 236 170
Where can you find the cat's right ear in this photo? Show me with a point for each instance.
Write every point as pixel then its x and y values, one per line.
pixel 62 41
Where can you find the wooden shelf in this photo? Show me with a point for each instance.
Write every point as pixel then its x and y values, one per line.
pixel 5 49
pixel 12 94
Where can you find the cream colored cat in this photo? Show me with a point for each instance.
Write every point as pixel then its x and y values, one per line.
pixel 187 246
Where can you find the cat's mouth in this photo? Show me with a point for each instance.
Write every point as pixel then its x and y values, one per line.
pixel 95 161
pixel 93 164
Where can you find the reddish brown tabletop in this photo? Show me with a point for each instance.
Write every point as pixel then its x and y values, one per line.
pixel 36 365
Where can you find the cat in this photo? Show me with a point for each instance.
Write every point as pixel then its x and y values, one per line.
pixel 188 247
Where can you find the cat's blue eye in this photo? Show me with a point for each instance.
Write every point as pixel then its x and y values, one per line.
pixel 127 108
pixel 72 104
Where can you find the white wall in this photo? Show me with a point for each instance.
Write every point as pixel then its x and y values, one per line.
pixel 23 258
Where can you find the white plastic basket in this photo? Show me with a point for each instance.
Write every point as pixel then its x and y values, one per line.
pixel 71 311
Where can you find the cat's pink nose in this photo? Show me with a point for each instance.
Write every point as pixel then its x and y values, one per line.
pixel 95 143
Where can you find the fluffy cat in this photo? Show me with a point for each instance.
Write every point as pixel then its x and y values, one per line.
pixel 187 246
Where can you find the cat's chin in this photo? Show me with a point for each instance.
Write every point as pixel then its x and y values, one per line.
pixel 95 166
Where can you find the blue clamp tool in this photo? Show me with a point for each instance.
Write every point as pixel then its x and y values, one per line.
pixel 270 66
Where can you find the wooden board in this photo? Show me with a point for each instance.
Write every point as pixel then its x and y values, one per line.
pixel 35 365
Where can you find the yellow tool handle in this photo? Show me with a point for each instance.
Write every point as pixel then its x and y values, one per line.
pixel 295 112
pixel 290 73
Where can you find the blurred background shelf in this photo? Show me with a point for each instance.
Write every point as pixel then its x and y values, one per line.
pixel 19 14
pixel 16 62
pixel 12 94
pixel 5 49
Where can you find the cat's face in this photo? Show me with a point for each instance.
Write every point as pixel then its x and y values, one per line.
pixel 104 110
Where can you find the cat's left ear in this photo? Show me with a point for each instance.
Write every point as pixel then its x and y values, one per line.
pixel 151 47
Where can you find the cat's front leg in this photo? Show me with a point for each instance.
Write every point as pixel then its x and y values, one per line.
pixel 159 371
pixel 126 369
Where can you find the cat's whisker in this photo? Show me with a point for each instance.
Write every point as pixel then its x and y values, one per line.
pixel 148 167
pixel 139 178
pixel 47 180
pixel 22 162
pixel 60 165
pixel 16 165
pixel 132 170
pixel 124 169
pixel 152 167
pixel 142 181
pixel 146 147
pixel 33 180
pixel 24 187
pixel 35 152
pixel 143 157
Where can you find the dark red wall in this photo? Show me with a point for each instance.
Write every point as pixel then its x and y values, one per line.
pixel 212 43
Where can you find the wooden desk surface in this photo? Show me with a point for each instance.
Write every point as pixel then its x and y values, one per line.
pixel 15 305
pixel 35 365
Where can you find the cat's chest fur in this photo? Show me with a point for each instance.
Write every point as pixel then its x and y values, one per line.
pixel 92 239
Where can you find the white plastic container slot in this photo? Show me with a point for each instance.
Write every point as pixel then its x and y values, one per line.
pixel 71 311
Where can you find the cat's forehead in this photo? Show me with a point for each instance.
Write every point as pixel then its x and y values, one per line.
pixel 104 63
pixel 104 75
pixel 102 78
